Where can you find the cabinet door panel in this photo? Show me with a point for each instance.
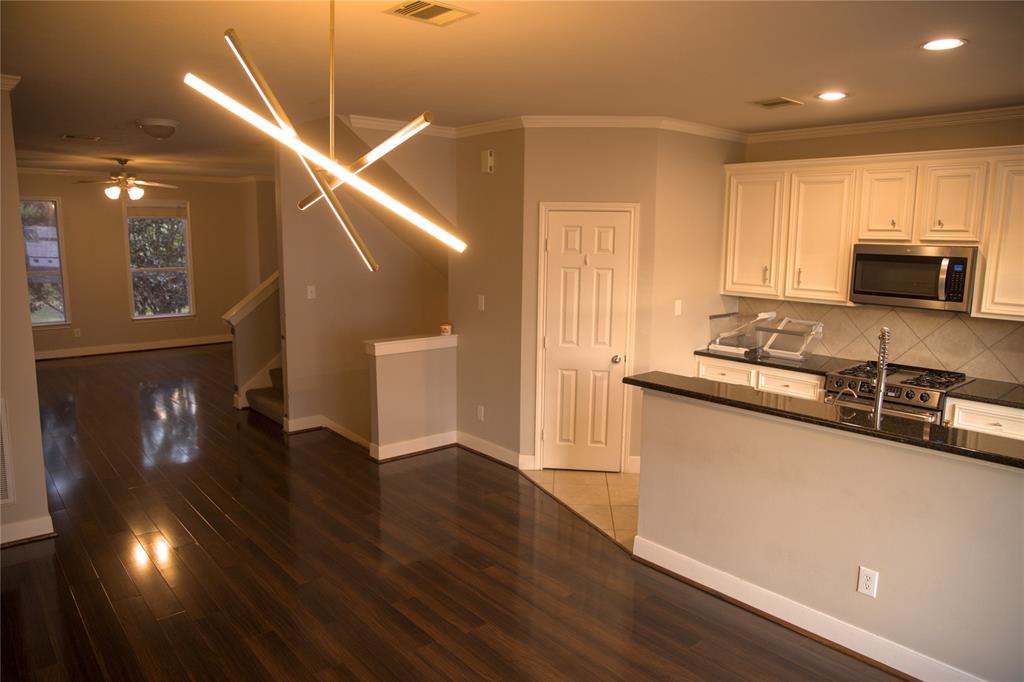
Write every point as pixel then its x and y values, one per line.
pixel 886 203
pixel 754 234
pixel 820 235
pixel 951 201
pixel 1002 293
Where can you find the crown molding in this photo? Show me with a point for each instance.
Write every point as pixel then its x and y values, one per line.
pixel 391 125
pixel 647 122
pixel 502 124
pixel 99 175
pixel 910 123
pixel 8 83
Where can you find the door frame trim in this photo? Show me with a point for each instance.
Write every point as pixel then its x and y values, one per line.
pixel 547 207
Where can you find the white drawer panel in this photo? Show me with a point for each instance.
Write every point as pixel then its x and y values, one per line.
pixel 794 384
pixel 726 372
pixel 995 419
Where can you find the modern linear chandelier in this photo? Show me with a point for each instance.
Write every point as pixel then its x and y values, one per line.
pixel 325 172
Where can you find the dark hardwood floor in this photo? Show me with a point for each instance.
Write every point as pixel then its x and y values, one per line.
pixel 198 542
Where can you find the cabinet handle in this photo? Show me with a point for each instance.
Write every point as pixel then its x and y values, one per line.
pixel 939 223
pixel 996 425
pixel 799 276
pixel 721 374
pixel 892 223
pixel 764 275
pixel 785 385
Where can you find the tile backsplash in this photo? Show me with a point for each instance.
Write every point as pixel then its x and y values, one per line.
pixel 979 347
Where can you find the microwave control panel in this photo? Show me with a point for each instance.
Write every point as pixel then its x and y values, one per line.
pixel 956 280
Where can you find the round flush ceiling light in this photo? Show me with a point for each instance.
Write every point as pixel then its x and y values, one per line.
pixel 943 44
pixel 160 128
pixel 832 96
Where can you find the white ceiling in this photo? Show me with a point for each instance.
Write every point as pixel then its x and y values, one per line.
pixel 95 67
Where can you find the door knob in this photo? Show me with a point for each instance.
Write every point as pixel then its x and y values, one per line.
pixel 616 359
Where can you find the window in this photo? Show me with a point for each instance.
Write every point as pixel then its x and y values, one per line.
pixel 43 261
pixel 158 260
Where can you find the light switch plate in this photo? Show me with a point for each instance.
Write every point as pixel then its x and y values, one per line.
pixel 679 307
pixel 481 302
pixel 311 291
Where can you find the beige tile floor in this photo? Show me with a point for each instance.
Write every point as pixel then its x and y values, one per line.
pixel 609 501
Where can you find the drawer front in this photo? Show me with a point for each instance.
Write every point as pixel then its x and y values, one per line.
pixel 791 384
pixel 995 419
pixel 726 372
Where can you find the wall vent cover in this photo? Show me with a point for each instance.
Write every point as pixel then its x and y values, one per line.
pixel 436 13
pixel 777 102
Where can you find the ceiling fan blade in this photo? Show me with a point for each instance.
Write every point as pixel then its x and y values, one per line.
pixel 146 183
pixel 95 182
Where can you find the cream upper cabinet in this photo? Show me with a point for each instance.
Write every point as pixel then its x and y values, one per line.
pixel 753 234
pixel 1002 294
pixel 820 234
pixel 951 198
pixel 886 206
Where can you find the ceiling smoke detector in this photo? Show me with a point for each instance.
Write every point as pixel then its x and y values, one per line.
pixel 436 13
pixel 159 128
pixel 777 103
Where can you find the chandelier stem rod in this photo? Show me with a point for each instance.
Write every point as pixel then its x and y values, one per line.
pixel 330 76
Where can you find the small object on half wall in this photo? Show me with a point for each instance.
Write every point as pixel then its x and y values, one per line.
pixel 446 329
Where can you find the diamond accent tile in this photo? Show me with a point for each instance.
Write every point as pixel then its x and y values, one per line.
pixel 838 330
pixel 987 366
pixel 811 311
pixel 954 344
pixel 903 337
pixel 866 316
pixel 923 322
pixel 1010 352
pixel 919 356
pixel 989 331
pixel 858 349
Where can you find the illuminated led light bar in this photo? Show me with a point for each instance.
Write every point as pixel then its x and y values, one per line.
pixel 323 188
pixel 374 154
pixel 331 166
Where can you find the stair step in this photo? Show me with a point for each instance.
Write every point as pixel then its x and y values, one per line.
pixel 277 377
pixel 267 401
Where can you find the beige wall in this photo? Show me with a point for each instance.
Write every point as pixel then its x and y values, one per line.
pixel 490 215
pixel 327 373
pixel 96 260
pixel 732 490
pixel 962 136
pixel 27 515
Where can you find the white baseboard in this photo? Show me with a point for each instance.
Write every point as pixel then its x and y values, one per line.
pixel 528 462
pixel 407 447
pixel 632 465
pixel 23 530
pixel 494 450
pixel 850 636
pixel 129 347
pixel 261 379
pixel 318 421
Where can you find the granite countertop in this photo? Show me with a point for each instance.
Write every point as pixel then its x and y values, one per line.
pixel 994 392
pixel 981 446
pixel 812 364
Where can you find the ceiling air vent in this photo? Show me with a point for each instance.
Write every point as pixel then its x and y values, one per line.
pixel 434 13
pixel 778 103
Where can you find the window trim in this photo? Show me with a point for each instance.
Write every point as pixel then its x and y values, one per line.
pixel 63 261
pixel 159 203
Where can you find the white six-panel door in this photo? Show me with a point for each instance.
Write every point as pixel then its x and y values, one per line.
pixel 586 308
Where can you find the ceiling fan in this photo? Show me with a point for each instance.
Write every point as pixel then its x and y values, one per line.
pixel 124 181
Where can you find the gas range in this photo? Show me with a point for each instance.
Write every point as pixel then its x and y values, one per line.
pixel 917 387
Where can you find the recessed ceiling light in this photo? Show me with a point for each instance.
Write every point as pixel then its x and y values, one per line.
pixel 943 44
pixel 832 96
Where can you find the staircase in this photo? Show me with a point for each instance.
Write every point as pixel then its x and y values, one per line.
pixel 269 401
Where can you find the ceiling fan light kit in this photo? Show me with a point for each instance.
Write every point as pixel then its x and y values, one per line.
pixel 125 182
pixel 328 174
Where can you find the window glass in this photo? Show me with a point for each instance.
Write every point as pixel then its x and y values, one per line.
pixel 46 298
pixel 158 253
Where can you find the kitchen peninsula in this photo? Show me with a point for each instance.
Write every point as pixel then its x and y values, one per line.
pixel 778 501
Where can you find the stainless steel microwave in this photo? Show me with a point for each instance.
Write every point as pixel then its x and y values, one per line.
pixel 935 277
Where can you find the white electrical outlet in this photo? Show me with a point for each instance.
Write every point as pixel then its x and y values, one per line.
pixel 480 412
pixel 77 332
pixel 867 582
pixel 480 302
pixel 311 291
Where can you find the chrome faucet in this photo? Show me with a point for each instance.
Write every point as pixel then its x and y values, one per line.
pixel 884 336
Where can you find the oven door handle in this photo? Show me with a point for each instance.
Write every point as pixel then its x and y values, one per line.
pixel 918 416
pixel 943 271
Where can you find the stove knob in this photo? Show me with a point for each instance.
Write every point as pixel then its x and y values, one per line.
pixel 925 397
pixel 852 384
pixel 839 383
pixel 909 395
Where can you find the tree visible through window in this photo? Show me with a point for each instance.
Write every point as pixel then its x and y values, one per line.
pixel 43 261
pixel 158 258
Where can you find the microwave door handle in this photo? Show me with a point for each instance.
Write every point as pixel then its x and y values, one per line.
pixel 943 271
